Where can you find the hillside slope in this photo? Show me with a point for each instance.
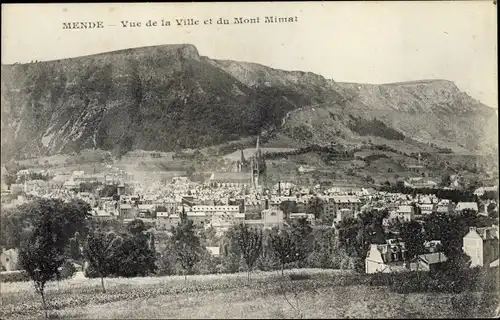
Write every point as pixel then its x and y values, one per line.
pixel 169 97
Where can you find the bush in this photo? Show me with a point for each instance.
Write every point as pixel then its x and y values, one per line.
pixel 381 279
pixel 68 270
pixel 14 276
pixel 442 282
pixel 267 262
pixel 90 272
pixel 463 303
pixel 299 276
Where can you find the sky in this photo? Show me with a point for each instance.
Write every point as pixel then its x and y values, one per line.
pixel 365 42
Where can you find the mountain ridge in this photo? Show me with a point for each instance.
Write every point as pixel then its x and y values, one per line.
pixel 168 97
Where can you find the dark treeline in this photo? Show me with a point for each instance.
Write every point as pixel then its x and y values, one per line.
pixel 374 127
pixel 331 151
pixel 454 195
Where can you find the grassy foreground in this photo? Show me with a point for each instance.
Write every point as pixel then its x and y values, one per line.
pixel 324 294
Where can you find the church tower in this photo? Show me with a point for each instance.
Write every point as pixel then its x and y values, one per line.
pixel 258 166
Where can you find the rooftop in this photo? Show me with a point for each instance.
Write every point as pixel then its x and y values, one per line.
pixel 432 258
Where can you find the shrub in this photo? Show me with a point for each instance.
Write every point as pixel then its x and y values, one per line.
pixel 299 276
pixel 463 303
pixel 14 276
pixel 381 279
pixel 90 272
pixel 68 270
pixel 456 281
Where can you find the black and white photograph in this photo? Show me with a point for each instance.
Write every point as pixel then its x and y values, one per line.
pixel 278 160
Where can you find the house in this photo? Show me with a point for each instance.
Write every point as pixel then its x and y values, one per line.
pixel 225 220
pixel 71 185
pixel 445 206
pixel 16 188
pixel 77 174
pixel 336 203
pixel 428 262
pixel 343 214
pixel 427 208
pixel 404 212
pixel 482 190
pixel 461 206
pixel 146 210
pixel 103 214
pixel 494 264
pixel 200 219
pixel 432 246
pixel 309 217
pixel 272 218
pixel 254 206
pixel 230 179
pixel 481 245
pixel 165 220
pixel 127 211
pixel 386 258
pixel 415 168
pixel 304 169
pixel 214 251
pixel 5 187
pixel 9 259
pixel 489 206
pixel 211 210
pixel 88 197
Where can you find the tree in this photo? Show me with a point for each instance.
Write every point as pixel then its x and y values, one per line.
pixel 41 255
pixel 187 246
pixel 9 179
pixel 230 251
pixel 411 234
pixel 136 227
pixel 250 243
pixel 286 247
pixel 88 186
pixel 209 237
pixel 190 171
pixel 109 190
pixel 315 206
pixel 325 252
pixel 100 251
pixel 74 248
pixel 288 207
pixel 13 228
pixel 450 229
pixel 347 234
pixel 136 255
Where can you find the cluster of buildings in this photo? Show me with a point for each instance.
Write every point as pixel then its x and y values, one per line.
pixel 480 244
pixel 226 199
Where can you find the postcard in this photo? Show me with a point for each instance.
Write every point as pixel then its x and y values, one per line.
pixel 249 160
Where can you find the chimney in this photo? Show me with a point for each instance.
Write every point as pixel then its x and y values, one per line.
pixel 472 228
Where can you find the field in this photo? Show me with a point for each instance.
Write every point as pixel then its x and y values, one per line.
pixel 320 294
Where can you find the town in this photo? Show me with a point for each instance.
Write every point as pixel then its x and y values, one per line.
pixel 243 196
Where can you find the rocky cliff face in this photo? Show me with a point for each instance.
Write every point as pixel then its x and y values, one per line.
pixel 432 111
pixel 169 97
